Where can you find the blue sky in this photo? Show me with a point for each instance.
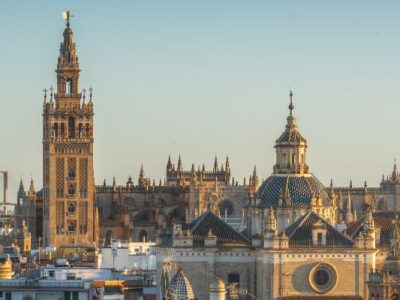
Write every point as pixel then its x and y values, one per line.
pixel 206 78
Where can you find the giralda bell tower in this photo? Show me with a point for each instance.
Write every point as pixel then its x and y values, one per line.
pixel 70 216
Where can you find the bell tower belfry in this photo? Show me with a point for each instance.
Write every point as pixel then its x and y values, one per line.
pixel 68 175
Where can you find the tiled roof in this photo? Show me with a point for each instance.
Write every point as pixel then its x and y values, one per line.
pixel 180 287
pixel 201 226
pixel 382 219
pixel 291 136
pixel 301 190
pixel 300 232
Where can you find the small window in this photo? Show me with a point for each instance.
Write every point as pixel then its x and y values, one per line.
pixel 319 238
pixel 68 86
pixel 293 158
pixel 51 274
pixel 71 189
pixel 71 208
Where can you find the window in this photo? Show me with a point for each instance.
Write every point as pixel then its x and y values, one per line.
pixel 71 189
pixel 71 127
pixel 8 296
pixel 67 295
pixel 293 158
pixel 51 274
pixel 68 86
pixel 71 208
pixel 319 238
pixel 284 158
pixel 71 227
pixel 234 278
pixel 55 130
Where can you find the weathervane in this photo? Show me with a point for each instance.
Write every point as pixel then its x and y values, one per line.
pixel 66 16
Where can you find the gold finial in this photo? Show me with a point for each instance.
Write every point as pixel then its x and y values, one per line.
pixel 66 16
pixel 291 106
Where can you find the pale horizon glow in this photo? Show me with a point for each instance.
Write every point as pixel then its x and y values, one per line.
pixel 206 78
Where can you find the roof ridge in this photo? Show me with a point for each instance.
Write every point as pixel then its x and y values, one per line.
pixel 331 227
pixel 199 219
pixel 301 221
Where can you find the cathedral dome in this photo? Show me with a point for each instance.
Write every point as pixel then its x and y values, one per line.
pixel 180 287
pixel 295 190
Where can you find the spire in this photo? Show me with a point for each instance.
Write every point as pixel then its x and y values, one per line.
pixel 180 167
pixel 44 96
pixel 369 224
pixel 349 213
pixel 270 224
pixel 254 179
pixel 21 192
pixel 395 173
pixel 291 147
pixel 169 164
pixel 141 173
pixel 216 164
pixel 227 164
pixel 142 182
pixel 291 120
pixel 31 191
pixel 68 69
pixel 291 106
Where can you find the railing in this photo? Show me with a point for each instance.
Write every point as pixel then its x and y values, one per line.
pixel 42 283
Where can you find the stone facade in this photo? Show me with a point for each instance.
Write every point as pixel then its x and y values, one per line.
pixel 68 176
pixel 136 211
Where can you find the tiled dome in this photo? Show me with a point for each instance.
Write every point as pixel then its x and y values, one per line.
pixel 180 287
pixel 300 189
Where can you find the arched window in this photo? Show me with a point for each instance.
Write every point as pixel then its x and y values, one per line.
pixel 68 86
pixel 71 208
pixel 71 226
pixel 71 127
pixel 71 189
pixel 87 130
pixel 80 130
pixel 143 237
pixel 55 130
pixel 225 209
pixel 234 278
pixel 71 173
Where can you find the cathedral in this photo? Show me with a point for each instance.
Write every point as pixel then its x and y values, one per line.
pixel 301 241
pixel 286 237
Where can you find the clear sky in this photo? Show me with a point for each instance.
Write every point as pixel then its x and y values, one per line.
pixel 206 78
